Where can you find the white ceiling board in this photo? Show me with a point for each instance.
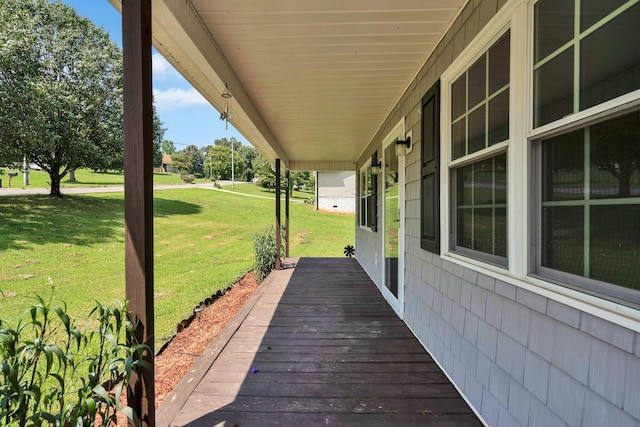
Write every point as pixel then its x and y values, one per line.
pixel 312 80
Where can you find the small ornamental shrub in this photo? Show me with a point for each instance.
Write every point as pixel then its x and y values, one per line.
pixel 188 177
pixel 198 175
pixel 264 245
pixel 57 373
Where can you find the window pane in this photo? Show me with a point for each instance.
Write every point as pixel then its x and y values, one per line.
pixel 610 60
pixel 483 176
pixel 563 238
pixel 499 118
pixel 480 206
pixel 553 89
pixel 563 167
pixel 499 64
pixel 500 233
pixel 591 11
pixel 459 97
pixel 477 130
pixel 477 82
pixel 615 158
pixel 459 138
pixel 500 178
pixel 553 26
pixel 615 245
pixel 464 225
pixel 483 230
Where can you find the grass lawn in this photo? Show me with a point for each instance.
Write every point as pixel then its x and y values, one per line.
pixel 256 190
pixel 203 241
pixel 87 178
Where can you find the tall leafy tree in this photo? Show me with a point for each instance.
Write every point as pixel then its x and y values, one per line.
pixel 220 158
pixel 61 90
pixel 168 147
pixel 194 154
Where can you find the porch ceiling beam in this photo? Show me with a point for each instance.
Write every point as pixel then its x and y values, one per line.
pixel 328 165
pixel 138 195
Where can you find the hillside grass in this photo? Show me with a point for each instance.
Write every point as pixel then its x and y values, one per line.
pixel 203 240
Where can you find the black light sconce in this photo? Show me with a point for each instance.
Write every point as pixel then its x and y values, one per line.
pixel 403 147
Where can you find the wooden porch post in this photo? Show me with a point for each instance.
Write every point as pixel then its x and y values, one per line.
pixel 138 190
pixel 278 216
pixel 286 214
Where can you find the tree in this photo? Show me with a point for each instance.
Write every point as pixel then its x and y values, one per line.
pixel 224 142
pixel 194 154
pixel 61 86
pixel 263 171
pixel 181 163
pixel 168 147
pixel 158 135
pixel 220 156
pixel 249 154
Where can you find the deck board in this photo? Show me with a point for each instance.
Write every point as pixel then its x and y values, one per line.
pixel 327 350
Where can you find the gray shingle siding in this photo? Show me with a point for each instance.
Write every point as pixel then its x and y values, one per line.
pixel 518 357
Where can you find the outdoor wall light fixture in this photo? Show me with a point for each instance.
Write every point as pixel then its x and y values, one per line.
pixel 403 147
pixel 376 169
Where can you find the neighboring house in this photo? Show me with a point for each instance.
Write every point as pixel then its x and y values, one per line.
pixel 166 163
pixel 336 191
pixel 507 234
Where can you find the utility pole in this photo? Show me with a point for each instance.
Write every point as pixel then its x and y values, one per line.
pixel 233 170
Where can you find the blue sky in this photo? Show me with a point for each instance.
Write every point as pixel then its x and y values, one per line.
pixel 188 117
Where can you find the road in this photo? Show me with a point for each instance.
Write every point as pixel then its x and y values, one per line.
pixel 120 188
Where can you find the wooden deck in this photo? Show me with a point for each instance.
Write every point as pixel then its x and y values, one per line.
pixel 326 350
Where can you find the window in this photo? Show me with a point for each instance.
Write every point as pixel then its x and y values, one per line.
pixel 479 137
pixel 588 173
pixel 590 204
pixel 368 195
pixel 430 159
pixel 583 56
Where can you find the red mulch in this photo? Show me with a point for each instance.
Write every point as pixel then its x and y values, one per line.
pixel 185 348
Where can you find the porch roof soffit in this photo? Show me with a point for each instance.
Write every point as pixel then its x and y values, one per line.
pixel 312 82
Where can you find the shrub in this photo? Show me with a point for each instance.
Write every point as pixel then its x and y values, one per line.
pixel 264 245
pixel 187 177
pixel 198 175
pixel 55 372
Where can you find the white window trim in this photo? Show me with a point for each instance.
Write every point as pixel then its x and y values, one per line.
pixel 518 16
pixel 363 169
pixel 499 25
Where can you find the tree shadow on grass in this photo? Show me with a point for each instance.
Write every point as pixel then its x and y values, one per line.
pixel 75 220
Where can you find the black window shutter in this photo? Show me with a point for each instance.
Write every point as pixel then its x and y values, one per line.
pixel 430 185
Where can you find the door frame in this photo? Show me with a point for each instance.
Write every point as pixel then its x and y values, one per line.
pixel 397 133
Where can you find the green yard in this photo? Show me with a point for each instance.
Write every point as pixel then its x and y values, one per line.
pixel 74 247
pixel 87 178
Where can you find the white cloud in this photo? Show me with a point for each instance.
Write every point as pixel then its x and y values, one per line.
pixel 161 68
pixel 174 98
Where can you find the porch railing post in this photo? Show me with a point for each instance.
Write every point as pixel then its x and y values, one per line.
pixel 138 190
pixel 278 216
pixel 286 214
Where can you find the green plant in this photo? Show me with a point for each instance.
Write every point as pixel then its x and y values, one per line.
pixel 187 177
pixel 56 372
pixel 264 245
pixel 198 175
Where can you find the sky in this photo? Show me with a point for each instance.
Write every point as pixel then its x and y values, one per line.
pixel 187 116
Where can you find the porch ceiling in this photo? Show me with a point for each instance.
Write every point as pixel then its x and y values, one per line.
pixel 312 81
